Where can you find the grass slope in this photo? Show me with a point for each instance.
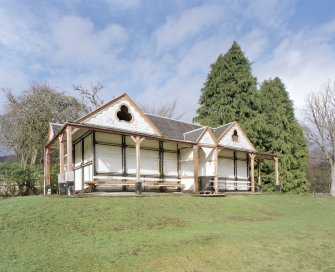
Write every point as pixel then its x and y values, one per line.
pixel 167 233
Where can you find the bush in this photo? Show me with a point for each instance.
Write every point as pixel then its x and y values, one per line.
pixel 29 180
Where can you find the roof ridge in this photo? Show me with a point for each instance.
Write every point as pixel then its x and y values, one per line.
pixel 195 130
pixel 172 119
pixel 57 124
pixel 225 125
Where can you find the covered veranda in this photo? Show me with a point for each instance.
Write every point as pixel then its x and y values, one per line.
pixel 65 138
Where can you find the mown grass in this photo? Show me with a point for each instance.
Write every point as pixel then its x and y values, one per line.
pixel 167 233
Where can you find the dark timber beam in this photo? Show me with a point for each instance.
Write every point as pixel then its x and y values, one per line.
pixel 94 149
pixel 124 156
pixel 82 161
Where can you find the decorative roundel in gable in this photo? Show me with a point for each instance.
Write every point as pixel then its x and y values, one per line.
pixel 123 114
pixel 235 136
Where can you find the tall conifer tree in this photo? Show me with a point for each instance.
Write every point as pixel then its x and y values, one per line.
pixel 280 133
pixel 229 94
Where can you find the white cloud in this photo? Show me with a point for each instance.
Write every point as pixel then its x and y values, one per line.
pixel 254 43
pixel 123 4
pixel 63 47
pixel 303 60
pixel 78 41
pixel 270 13
pixel 188 24
pixel 22 35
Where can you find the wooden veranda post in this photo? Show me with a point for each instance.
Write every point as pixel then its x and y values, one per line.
pixel 276 160
pixel 252 171
pixel 61 154
pixel 61 176
pixel 69 163
pixel 259 162
pixel 47 187
pixel 138 140
pixel 216 173
pixel 196 168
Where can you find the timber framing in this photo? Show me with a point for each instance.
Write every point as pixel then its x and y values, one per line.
pixel 172 151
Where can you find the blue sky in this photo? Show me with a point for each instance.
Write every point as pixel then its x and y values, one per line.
pixel 158 51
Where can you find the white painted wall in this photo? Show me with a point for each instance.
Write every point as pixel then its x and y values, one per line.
pixel 131 160
pixel 170 146
pixel 188 184
pixel 186 162
pixel 206 161
pixel 226 168
pixel 150 144
pixel 242 169
pixel 88 173
pixel 242 143
pixel 77 157
pixel 170 164
pixel 78 185
pixel 108 159
pixel 108 117
pixel 88 149
pixel 88 156
pixel 207 139
pixel 149 162
pixel 108 138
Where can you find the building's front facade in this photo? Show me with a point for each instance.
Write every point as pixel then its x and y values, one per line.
pixel 119 146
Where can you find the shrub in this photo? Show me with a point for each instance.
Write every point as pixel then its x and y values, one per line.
pixel 28 180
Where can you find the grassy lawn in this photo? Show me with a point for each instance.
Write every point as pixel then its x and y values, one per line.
pixel 167 233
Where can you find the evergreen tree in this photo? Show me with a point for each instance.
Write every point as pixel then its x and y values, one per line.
pixel 229 94
pixel 279 132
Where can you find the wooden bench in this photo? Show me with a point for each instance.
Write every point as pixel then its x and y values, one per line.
pixel 130 181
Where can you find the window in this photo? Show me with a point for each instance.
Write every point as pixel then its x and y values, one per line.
pixel 235 136
pixel 123 114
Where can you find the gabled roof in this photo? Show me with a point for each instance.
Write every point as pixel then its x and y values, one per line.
pixel 54 128
pixel 115 100
pixel 207 131
pixel 220 131
pixel 163 127
pixel 171 128
pixel 100 108
pixel 234 126
pixel 194 135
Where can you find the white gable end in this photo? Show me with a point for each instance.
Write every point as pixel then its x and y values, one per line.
pixel 207 139
pixel 108 117
pixel 242 142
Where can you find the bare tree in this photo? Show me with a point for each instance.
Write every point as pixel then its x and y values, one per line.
pixel 168 110
pixel 24 123
pixel 90 97
pixel 320 127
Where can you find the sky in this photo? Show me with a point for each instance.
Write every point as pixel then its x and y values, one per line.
pixel 159 51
